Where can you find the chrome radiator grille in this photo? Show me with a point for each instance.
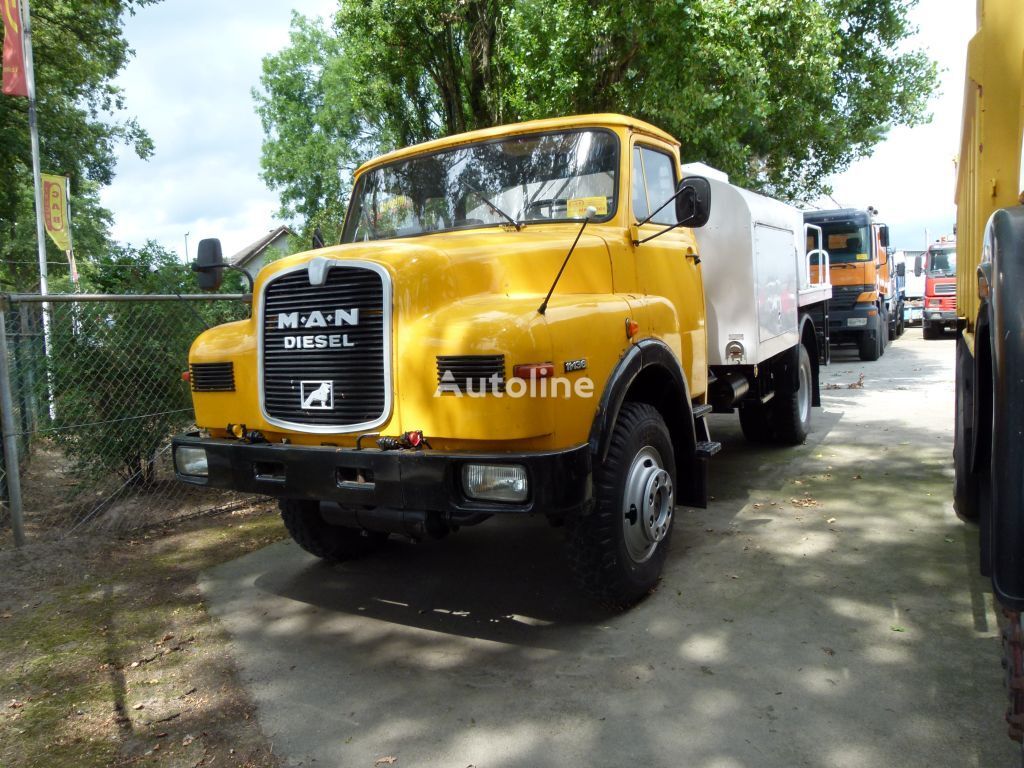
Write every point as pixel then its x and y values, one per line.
pixel 325 363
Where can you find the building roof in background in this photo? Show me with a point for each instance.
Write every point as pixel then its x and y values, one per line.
pixel 253 250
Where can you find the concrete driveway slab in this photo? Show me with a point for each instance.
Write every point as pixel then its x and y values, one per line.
pixel 824 612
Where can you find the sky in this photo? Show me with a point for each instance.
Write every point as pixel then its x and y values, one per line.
pixel 197 61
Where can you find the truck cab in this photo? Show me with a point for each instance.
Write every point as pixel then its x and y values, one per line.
pixel 862 292
pixel 938 267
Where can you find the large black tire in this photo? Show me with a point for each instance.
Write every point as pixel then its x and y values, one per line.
pixel 791 414
pixel 318 537
pixel 754 422
pixel 869 346
pixel 618 549
pixel 929 331
pixel 965 482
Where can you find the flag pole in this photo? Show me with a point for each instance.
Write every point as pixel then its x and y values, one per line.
pixel 37 181
pixel 30 78
pixel 71 245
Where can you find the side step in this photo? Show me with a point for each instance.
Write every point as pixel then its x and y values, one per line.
pixel 707 448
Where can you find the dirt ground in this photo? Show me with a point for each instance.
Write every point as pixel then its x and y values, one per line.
pixel 108 656
pixel 823 612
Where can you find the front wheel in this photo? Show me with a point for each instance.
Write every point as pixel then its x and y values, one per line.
pixel 318 537
pixel 929 331
pixel 791 414
pixel 869 346
pixel 618 550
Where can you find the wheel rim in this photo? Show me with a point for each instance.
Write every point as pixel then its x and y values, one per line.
pixel 647 505
pixel 803 395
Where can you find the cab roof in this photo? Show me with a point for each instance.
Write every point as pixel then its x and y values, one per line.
pixel 604 120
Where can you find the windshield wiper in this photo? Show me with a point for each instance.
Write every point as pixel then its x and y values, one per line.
pixel 496 209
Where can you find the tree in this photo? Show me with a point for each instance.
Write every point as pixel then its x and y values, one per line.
pixel 779 94
pixel 79 48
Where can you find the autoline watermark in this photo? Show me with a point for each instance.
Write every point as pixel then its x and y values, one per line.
pixel 515 388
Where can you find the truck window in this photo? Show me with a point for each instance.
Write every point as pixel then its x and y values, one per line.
pixel 847 242
pixel 532 178
pixel 942 263
pixel 640 208
pixel 654 182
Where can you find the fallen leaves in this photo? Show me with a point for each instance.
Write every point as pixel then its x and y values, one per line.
pixel 386 760
pixel 804 502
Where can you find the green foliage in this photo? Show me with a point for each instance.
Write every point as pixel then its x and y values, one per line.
pixel 778 93
pixel 78 49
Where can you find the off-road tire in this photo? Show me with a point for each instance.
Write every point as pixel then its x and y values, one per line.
pixel 598 553
pixel 929 331
pixel 791 414
pixel 755 422
pixel 318 537
pixel 869 346
pixel 965 481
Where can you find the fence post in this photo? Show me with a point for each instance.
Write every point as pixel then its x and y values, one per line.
pixel 10 435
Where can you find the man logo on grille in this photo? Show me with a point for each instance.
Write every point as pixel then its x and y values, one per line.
pixel 317 395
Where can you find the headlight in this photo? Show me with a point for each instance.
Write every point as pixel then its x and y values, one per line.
pixel 191 460
pixel 495 482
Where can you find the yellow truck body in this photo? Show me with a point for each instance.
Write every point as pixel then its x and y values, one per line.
pixel 448 361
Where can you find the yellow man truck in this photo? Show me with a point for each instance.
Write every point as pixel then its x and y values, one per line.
pixel 866 304
pixel 517 321
pixel 989 424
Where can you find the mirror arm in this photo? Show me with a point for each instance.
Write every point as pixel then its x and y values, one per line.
pixel 661 207
pixel 197 268
pixel 662 232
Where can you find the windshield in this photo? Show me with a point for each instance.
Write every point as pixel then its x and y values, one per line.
pixel 845 241
pixel 942 263
pixel 532 178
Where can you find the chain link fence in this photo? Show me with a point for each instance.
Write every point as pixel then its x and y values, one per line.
pixel 91 392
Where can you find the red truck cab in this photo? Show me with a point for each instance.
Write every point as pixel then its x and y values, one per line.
pixel 938 265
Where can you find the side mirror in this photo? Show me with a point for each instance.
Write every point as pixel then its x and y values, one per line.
pixel 917 266
pixel 883 235
pixel 693 201
pixel 209 265
pixel 901 270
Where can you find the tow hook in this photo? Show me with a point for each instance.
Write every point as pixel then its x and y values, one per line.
pixel 413 440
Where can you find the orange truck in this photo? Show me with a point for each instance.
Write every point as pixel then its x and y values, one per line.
pixel 988 450
pixel 861 309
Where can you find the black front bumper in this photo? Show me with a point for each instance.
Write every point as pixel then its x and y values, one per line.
pixel 422 480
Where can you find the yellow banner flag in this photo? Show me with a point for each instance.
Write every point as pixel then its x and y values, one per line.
pixel 55 210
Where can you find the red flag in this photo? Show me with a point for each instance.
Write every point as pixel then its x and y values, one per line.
pixel 15 83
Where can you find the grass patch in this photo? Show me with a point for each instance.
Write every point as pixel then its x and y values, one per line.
pixel 108 656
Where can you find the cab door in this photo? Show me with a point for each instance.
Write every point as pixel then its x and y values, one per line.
pixel 668 270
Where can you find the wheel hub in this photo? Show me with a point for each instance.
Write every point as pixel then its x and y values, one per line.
pixel 648 502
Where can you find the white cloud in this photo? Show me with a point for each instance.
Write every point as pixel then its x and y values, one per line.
pixel 189 85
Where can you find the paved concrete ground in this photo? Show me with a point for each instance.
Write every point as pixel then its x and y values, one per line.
pixel 823 612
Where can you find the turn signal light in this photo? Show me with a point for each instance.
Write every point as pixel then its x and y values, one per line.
pixel 632 328
pixel 534 371
pixel 186 376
